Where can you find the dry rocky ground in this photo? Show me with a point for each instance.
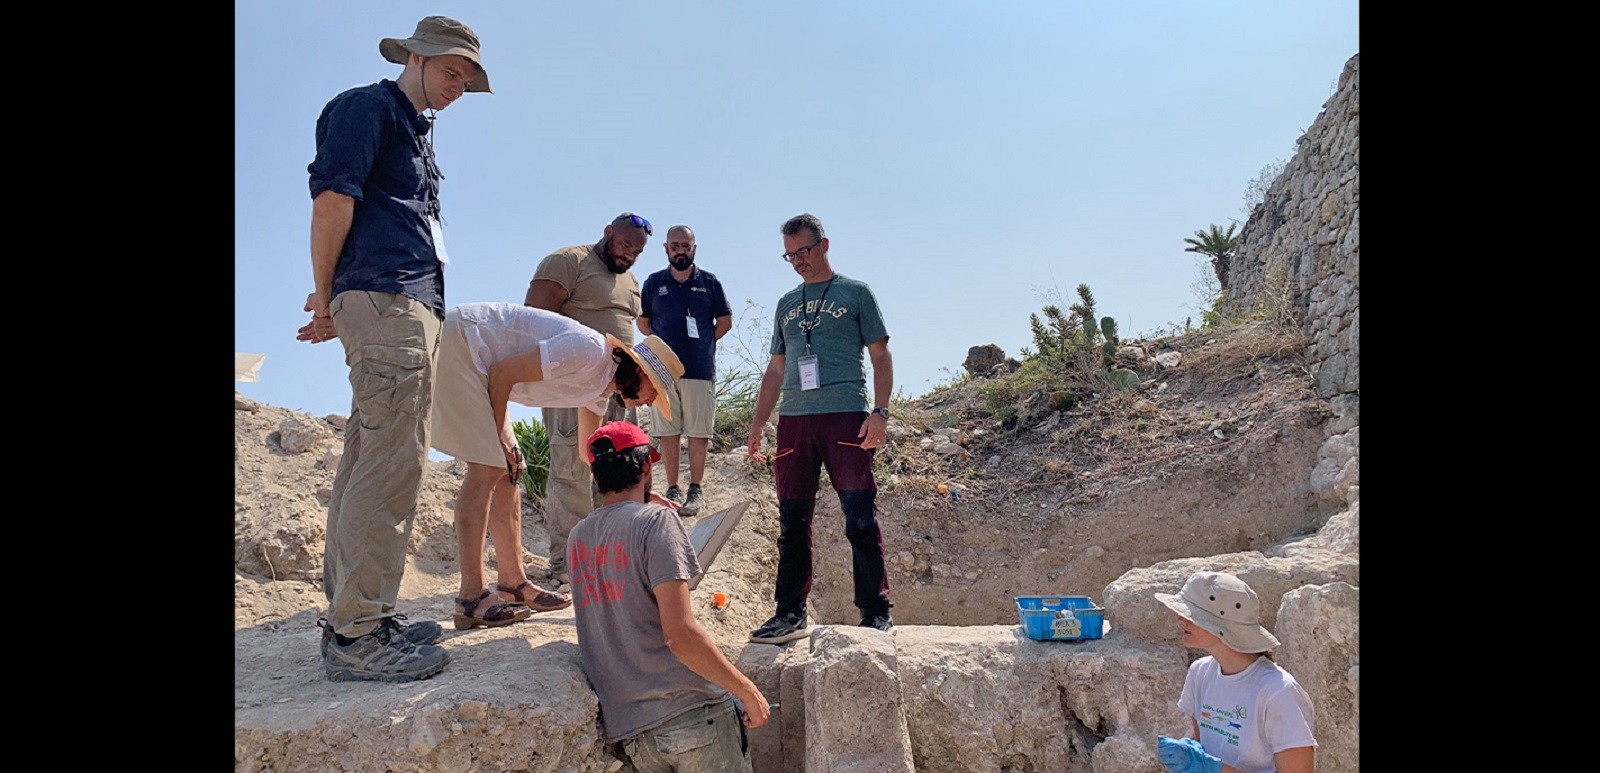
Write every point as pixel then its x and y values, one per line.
pixel 1216 452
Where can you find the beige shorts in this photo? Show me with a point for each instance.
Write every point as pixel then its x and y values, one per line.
pixel 694 410
pixel 462 419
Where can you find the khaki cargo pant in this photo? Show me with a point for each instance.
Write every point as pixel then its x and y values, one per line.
pixel 391 344
pixel 707 739
pixel 571 493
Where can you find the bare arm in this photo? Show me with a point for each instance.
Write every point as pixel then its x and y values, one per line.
pixel 588 422
pixel 875 430
pixel 693 646
pixel 1300 759
pixel 331 216
pixel 502 376
pixel 724 324
pixel 766 400
pixel 545 294
pixel 644 325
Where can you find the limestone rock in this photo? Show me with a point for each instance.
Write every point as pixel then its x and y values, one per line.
pixel 298 434
pixel 1320 627
pixel 855 720
pixel 1134 613
pixel 989 698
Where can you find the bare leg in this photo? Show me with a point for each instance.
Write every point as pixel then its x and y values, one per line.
pixel 669 457
pixel 472 517
pixel 505 528
pixel 697 458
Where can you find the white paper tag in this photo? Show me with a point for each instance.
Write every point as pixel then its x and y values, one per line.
pixel 438 240
pixel 1066 624
pixel 808 373
pixel 694 330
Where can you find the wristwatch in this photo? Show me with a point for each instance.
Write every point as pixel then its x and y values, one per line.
pixel 884 412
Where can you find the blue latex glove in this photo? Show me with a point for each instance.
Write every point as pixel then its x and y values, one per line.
pixel 1185 755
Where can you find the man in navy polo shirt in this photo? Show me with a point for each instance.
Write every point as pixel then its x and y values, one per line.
pixel 685 305
pixel 377 265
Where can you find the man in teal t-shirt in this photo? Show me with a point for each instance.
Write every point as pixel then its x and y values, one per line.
pixel 818 335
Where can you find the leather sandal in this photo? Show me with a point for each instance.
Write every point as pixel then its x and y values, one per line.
pixel 543 601
pixel 492 615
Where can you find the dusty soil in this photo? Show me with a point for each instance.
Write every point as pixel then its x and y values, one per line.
pixel 1028 478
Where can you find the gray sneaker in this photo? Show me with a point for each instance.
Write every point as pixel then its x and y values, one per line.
pixel 880 621
pixel 418 633
pixel 691 506
pixel 782 628
pixel 383 656
pixel 674 495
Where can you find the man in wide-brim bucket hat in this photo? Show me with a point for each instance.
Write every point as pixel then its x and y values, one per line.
pixel 377 262
pixel 439 36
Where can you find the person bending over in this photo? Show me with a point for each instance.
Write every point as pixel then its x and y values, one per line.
pixel 491 354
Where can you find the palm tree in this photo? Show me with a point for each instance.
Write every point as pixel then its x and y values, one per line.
pixel 1217 244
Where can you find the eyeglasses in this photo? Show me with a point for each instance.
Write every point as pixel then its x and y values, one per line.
pixel 638 222
pixel 788 257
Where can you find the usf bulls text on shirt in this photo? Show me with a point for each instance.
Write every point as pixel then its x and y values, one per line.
pixel 832 321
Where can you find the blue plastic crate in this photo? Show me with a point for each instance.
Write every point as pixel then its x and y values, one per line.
pixel 1060 618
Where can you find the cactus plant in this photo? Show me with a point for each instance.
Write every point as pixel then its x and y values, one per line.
pixel 535 443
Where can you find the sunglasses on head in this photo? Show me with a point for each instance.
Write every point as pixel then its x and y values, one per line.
pixel 638 222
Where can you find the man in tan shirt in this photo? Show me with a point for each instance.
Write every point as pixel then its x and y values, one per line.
pixel 593 284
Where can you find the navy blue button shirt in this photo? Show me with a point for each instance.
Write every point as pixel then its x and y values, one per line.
pixel 372 146
pixel 669 304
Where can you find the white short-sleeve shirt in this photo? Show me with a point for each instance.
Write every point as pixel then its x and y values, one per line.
pixel 576 360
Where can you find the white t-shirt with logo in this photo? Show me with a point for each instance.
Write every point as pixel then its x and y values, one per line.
pixel 1247 717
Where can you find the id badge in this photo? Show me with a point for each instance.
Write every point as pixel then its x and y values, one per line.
pixel 808 373
pixel 694 330
pixel 438 240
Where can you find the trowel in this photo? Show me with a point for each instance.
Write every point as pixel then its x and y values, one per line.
pixel 708 535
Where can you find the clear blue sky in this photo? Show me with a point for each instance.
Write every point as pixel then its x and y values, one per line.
pixel 967 158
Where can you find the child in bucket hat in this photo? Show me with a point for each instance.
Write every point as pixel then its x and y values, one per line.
pixel 1246 711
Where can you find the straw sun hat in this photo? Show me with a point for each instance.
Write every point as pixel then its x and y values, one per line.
pixel 658 362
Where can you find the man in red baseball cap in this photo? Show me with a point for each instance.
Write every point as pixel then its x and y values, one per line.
pixel 656 671
pixel 620 436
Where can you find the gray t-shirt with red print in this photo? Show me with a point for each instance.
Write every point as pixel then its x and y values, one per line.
pixel 617 556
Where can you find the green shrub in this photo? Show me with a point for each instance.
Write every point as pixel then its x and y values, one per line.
pixel 535 444
pixel 1062 401
pixel 736 406
pixel 1122 378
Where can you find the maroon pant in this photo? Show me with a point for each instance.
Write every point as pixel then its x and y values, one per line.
pixel 806 445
